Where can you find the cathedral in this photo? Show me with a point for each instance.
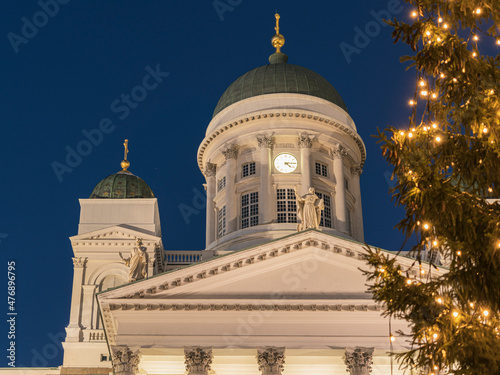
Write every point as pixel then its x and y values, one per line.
pixel 277 289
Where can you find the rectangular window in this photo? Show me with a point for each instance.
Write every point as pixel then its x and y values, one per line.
pixel 326 214
pixel 249 210
pixel 248 169
pixel 286 205
pixel 221 184
pixel 221 222
pixel 321 169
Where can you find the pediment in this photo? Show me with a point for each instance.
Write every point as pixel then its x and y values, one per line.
pixel 308 265
pixel 115 233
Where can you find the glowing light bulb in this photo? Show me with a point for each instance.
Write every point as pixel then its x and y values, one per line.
pixel 439 300
pixel 427 33
pixel 411 102
pixel 459 253
pixel 424 92
pixel 434 126
pixel 438 139
pixel 455 80
pixel 440 20
pixel 435 335
pixel 490 190
pixel 475 37
pixel 434 96
pixel 426 226
pixel 401 133
pixel 408 282
pixel 498 42
pixel 435 243
pixel 486 312
pixel 422 272
pixel 414 14
pixel 442 75
pixel 393 338
pixel 410 135
pixel 478 11
pixel 422 83
pixel 471 304
pixel 455 314
pixel 445 25
pixel 485 130
pixel 474 54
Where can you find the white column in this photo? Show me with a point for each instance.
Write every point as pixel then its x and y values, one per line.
pixel 125 361
pixel 266 194
pixel 198 360
pixel 271 360
pixel 210 170
pixel 73 330
pixel 358 212
pixel 231 153
pixel 338 153
pixel 305 144
pixel 358 360
pixel 88 306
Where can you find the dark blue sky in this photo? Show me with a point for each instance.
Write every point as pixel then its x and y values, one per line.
pixel 60 80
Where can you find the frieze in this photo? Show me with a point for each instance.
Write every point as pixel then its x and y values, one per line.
pixel 285 145
pixel 344 128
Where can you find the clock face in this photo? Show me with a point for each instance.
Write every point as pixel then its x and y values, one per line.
pixel 285 163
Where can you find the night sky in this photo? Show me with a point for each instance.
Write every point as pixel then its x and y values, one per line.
pixel 61 79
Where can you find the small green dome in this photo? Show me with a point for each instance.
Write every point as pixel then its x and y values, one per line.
pixel 279 77
pixel 122 185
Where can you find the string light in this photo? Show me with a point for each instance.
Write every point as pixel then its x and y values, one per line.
pixel 435 243
pixel 408 281
pixel 414 14
pixel 393 338
pixel 490 190
pixel 486 312
pixel 459 253
pixel 474 54
pixel 442 75
pixel 478 11
pixel 438 139
pixel 411 102
pixel 455 314
pixel 424 92
pixel 434 96
pixel 434 126
pixel 498 42
pixel 445 25
pixel 435 335
pixel 410 135
pixel 401 133
pixel 422 83
pixel 485 130
pixel 426 226
pixel 475 37
pixel 439 300
pixel 428 33
pixel 440 20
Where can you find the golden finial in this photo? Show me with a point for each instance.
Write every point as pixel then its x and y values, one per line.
pixel 125 163
pixel 278 40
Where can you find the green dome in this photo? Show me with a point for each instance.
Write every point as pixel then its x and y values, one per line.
pixel 122 185
pixel 279 78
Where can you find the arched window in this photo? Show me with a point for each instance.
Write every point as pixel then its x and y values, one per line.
pixel 111 281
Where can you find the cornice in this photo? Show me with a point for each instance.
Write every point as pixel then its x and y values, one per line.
pixel 295 114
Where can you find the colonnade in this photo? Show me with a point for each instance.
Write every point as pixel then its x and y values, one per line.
pixel 270 360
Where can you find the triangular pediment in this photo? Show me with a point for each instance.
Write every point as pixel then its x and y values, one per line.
pixel 116 233
pixel 308 265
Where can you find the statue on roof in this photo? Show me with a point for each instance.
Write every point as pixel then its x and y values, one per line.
pixel 137 262
pixel 309 208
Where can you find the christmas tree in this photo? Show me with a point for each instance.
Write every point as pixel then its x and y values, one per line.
pixel 447 172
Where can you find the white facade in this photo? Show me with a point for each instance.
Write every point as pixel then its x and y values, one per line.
pixel 257 130
pixel 261 298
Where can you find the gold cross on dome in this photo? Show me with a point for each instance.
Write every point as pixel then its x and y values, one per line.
pixel 126 148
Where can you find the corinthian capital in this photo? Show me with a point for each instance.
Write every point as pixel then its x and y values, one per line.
pixel 198 360
pixel 265 140
pixel 210 169
pixel 339 151
pixel 231 152
pixel 359 360
pixel 305 140
pixel 271 360
pixel 357 170
pixel 125 361
pixel 79 262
